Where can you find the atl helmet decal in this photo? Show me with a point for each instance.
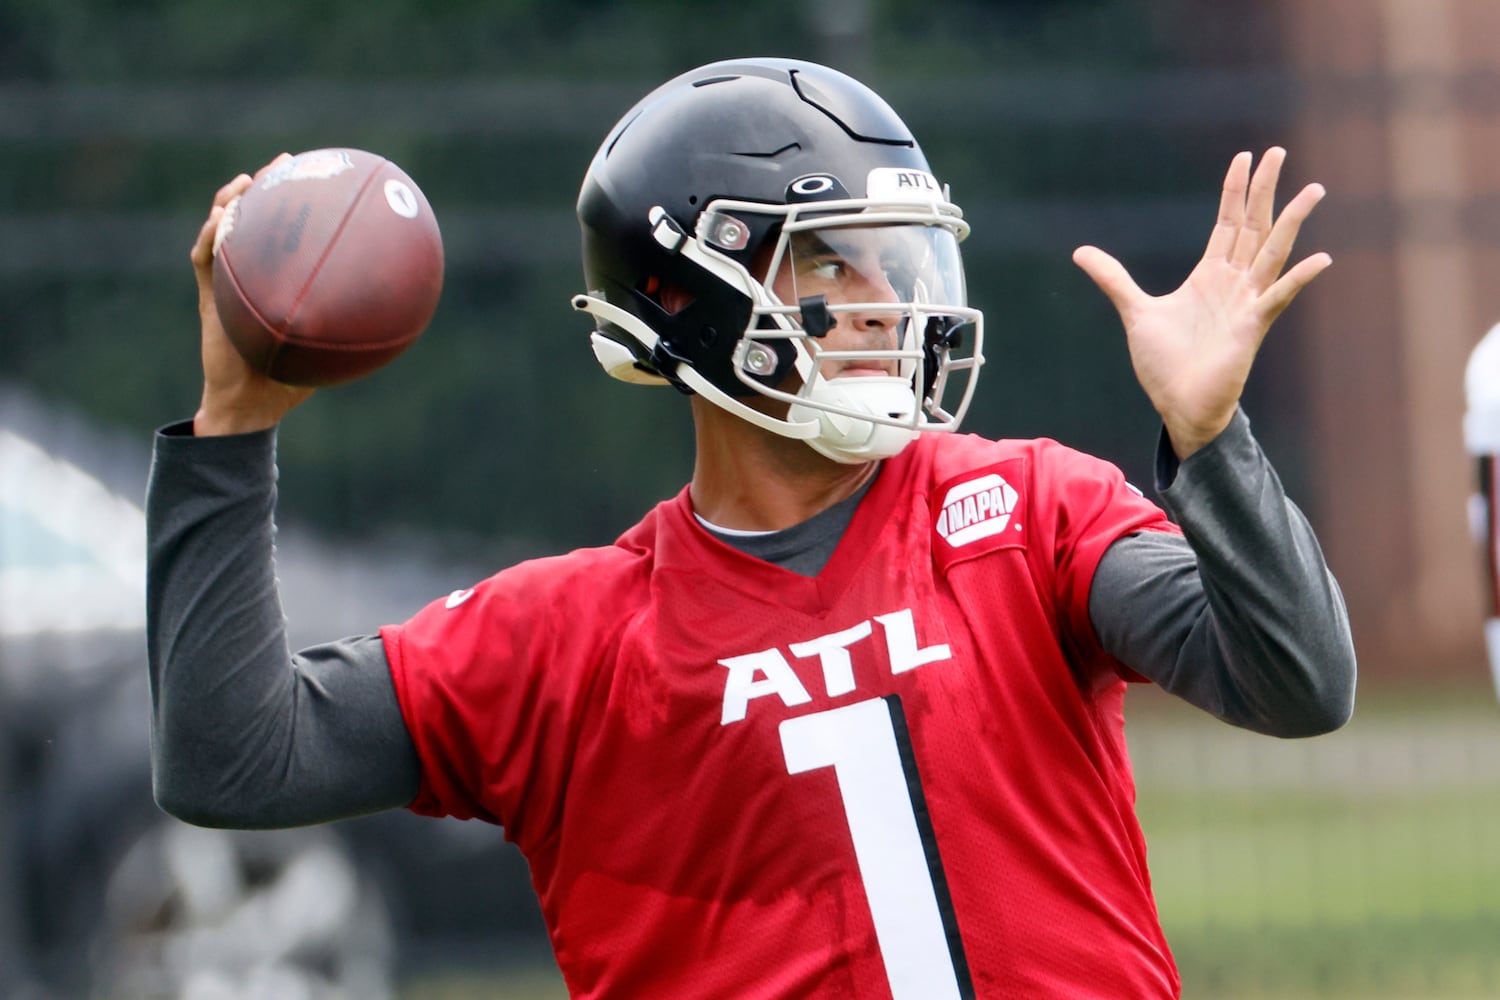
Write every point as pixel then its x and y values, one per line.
pixel 979 508
pixel 318 165
pixel 903 185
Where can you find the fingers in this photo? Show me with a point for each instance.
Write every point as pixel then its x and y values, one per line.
pixel 1231 208
pixel 280 159
pixel 1276 298
pixel 202 251
pixel 231 191
pixel 1277 248
pixel 1259 209
pixel 1111 277
pixel 1249 235
pixel 202 246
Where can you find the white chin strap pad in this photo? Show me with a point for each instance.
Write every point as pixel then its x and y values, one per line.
pixel 851 439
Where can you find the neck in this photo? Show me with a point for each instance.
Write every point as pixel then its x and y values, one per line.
pixel 749 479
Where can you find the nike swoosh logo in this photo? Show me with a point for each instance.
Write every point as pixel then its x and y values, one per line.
pixel 458 597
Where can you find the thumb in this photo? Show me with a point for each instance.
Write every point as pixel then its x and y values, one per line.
pixel 1111 277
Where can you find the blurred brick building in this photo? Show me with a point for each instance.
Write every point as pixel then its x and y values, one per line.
pixel 1398 113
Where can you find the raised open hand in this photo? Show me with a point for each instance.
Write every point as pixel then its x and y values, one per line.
pixel 1192 349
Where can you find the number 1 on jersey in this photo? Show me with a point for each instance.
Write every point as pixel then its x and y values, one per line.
pixel 862 742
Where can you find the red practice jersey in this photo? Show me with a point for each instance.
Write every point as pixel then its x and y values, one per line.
pixel 905 777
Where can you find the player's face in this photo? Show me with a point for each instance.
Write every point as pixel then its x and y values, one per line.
pixel 862 268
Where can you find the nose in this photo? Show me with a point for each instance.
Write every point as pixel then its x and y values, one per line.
pixel 874 288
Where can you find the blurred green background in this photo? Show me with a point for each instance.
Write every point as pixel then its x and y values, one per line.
pixel 1363 864
pixel 121 122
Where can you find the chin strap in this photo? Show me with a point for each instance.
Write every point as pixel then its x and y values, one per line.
pixel 852 439
pixel 619 361
pixel 842 437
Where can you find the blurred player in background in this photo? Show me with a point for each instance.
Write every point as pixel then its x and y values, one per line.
pixel 1482 439
pixel 844 717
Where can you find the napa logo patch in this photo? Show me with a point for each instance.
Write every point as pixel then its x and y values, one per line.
pixel 980 508
pixel 978 512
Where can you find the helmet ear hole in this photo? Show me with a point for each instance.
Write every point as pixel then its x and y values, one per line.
pixel 672 298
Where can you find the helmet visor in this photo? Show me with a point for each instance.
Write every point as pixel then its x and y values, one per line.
pixel 895 264
pixel 873 298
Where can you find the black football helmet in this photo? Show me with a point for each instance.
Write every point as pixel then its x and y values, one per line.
pixel 717 217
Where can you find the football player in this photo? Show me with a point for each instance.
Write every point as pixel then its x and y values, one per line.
pixel 1482 441
pixel 844 717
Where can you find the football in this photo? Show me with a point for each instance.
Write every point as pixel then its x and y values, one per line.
pixel 327 267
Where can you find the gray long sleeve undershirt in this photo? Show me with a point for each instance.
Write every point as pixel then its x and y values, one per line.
pixel 1241 616
pixel 246 733
pixel 237 738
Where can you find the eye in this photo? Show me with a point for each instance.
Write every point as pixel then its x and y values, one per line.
pixel 826 269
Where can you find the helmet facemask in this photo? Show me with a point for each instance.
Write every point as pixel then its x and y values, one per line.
pixel 874 295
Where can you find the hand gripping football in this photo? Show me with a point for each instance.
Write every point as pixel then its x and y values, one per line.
pixel 327 267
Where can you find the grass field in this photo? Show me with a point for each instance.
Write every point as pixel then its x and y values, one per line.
pixel 1364 864
pixel 1361 864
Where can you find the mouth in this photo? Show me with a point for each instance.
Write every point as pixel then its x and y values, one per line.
pixel 864 369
